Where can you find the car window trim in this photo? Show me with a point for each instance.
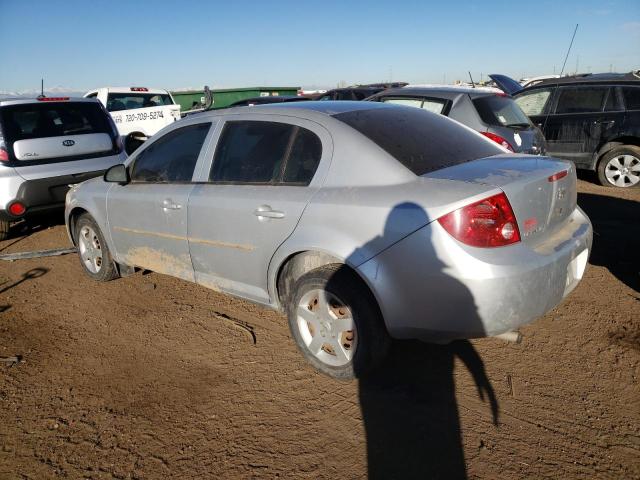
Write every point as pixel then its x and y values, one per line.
pixel 131 165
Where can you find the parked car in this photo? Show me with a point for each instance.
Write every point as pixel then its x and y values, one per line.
pixel 590 119
pixel 487 111
pixel 46 144
pixel 139 112
pixel 250 102
pixel 361 220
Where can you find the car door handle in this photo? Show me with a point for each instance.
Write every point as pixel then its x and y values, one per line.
pixel 604 122
pixel 169 205
pixel 265 211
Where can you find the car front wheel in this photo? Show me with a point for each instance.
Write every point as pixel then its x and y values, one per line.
pixel 336 323
pixel 620 167
pixel 93 252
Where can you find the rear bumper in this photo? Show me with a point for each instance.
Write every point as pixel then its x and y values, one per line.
pixel 431 287
pixel 43 194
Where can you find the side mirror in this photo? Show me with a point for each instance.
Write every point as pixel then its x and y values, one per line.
pixel 117 174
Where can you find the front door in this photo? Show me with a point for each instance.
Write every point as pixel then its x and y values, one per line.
pixel 262 177
pixel 148 216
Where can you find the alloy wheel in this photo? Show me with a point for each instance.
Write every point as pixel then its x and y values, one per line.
pixel 327 328
pixel 623 171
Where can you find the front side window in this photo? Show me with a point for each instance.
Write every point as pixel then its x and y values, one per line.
pixel 256 152
pixel 631 97
pixel 131 101
pixel 581 99
pixel 171 158
pixel 532 103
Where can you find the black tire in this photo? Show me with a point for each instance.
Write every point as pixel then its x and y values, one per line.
pixel 605 166
pixel 107 269
pixel 373 341
pixel 4 229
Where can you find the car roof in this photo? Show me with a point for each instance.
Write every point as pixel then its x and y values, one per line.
pixel 633 77
pixel 311 109
pixel 156 91
pixel 24 101
pixel 448 91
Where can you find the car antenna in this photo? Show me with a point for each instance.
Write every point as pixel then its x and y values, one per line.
pixel 544 125
pixel 41 88
pixel 473 85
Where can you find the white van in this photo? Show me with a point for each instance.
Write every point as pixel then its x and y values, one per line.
pixel 138 112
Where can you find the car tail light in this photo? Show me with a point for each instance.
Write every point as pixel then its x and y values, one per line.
pixel 498 139
pixel 557 176
pixel 16 209
pixel 487 223
pixel 53 99
pixel 139 89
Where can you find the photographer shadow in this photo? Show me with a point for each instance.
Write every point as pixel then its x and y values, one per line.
pixel 409 405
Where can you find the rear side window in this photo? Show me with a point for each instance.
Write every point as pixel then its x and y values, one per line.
pixel 429 104
pixel 581 99
pixel 533 103
pixel 421 141
pixel 172 157
pixel 631 97
pixel 131 101
pixel 53 119
pixel 500 111
pixel 255 152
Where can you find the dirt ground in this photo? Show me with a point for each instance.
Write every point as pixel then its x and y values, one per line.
pixel 153 377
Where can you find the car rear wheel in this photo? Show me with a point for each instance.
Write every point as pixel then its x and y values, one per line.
pixel 336 323
pixel 93 252
pixel 4 229
pixel 620 167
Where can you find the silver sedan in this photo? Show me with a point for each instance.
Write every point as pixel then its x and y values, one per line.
pixel 362 221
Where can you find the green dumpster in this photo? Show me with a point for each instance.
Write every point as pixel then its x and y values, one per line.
pixel 224 97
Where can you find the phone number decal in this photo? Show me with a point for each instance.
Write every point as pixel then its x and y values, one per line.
pixel 136 117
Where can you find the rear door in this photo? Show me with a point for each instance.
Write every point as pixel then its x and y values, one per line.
pixel 264 172
pixel 583 115
pixel 148 216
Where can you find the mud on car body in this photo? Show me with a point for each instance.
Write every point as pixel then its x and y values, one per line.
pixel 46 144
pixel 362 221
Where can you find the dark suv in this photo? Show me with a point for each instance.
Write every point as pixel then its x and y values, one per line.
pixel 592 119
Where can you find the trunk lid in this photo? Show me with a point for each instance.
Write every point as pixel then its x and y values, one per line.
pixel 541 202
pixel 506 84
pixel 60 147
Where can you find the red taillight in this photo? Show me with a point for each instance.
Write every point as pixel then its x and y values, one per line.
pixel 139 89
pixel 4 156
pixel 558 176
pixel 53 99
pixel 487 223
pixel 498 139
pixel 16 209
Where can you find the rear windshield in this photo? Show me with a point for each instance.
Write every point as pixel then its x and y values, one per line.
pixel 130 101
pixel 422 141
pixel 53 119
pixel 500 111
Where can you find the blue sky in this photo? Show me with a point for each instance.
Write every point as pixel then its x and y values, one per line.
pixel 87 44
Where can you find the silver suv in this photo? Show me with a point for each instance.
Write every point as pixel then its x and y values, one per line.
pixel 46 144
